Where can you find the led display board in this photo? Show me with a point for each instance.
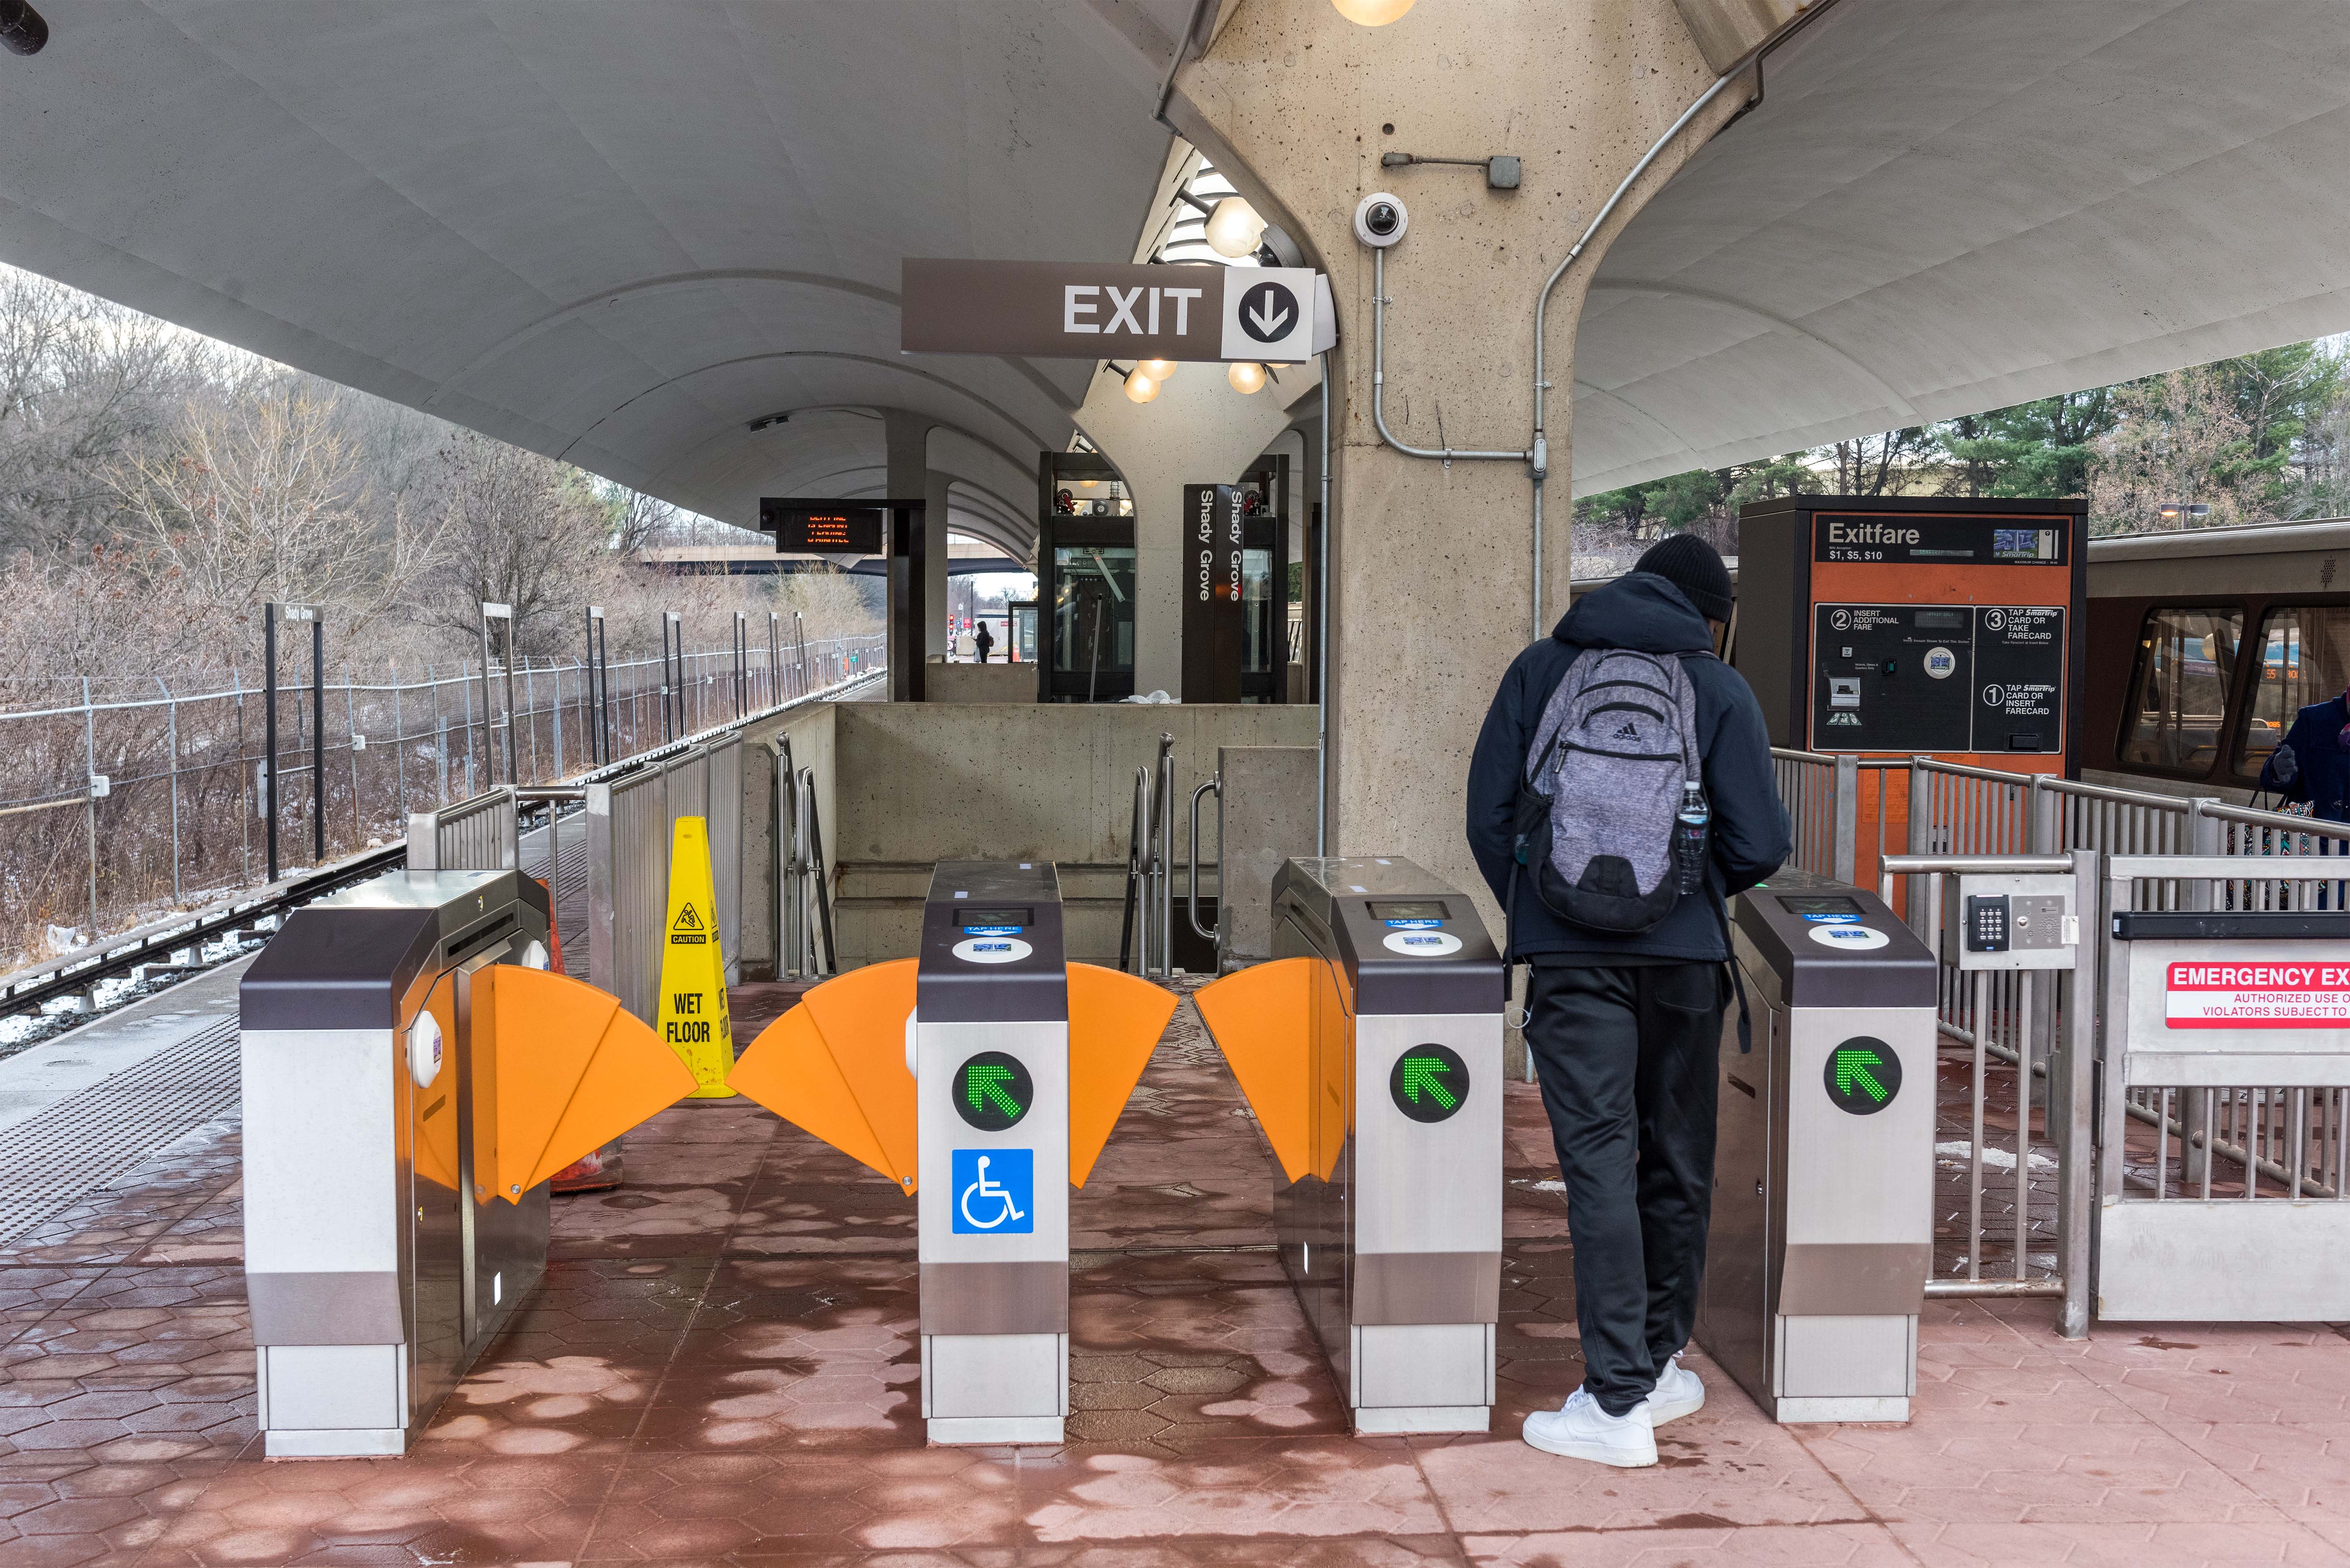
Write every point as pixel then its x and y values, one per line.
pixel 822 527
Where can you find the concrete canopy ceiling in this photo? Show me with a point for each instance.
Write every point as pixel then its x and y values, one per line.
pixel 1944 206
pixel 610 230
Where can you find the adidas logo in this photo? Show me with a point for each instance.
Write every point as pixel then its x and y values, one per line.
pixel 1628 732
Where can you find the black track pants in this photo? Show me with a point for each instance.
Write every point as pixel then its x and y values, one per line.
pixel 1628 1061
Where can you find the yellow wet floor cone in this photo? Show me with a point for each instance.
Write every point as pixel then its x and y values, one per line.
pixel 692 1017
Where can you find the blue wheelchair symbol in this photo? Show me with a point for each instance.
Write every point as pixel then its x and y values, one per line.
pixel 994 1191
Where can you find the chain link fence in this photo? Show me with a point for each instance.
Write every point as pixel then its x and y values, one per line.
pixel 129 799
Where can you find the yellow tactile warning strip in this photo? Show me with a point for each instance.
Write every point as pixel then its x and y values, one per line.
pixel 835 1067
pixel 573 1071
pixel 1114 1022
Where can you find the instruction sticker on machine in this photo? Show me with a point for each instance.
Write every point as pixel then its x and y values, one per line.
pixel 2201 995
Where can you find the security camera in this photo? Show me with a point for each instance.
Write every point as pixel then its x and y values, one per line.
pixel 1380 220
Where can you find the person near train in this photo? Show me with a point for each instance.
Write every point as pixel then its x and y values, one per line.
pixel 2312 766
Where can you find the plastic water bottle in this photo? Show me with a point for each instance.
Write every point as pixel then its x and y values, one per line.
pixel 1689 828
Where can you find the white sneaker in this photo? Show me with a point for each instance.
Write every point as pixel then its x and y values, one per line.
pixel 1580 1429
pixel 1678 1392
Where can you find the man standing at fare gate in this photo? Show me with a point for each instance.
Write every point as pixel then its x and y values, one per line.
pixel 1620 796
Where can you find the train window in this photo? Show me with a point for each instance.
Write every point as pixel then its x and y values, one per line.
pixel 2304 653
pixel 2178 696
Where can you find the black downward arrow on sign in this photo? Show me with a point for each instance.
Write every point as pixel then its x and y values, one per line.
pixel 1268 311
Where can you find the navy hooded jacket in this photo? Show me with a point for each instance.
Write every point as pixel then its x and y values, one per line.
pixel 2324 780
pixel 1643 612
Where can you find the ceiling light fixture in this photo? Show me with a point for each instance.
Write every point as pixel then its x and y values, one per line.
pixel 1246 376
pixel 1233 228
pixel 1139 388
pixel 23 30
pixel 1156 370
pixel 1371 12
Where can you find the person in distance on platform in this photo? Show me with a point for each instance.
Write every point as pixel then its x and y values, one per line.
pixel 986 639
pixel 1620 794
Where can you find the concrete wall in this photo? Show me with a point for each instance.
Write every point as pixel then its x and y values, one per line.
pixel 921 782
pixel 1268 818
pixel 811 730
pixel 1432 563
pixel 980 683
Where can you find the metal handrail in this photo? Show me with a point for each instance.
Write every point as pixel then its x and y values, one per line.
pixel 828 961
pixel 2220 811
pixel 1165 801
pixel 1192 884
pixel 1137 849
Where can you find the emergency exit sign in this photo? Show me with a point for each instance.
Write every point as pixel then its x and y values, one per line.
pixel 2216 995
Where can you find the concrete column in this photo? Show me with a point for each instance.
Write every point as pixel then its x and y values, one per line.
pixel 935 584
pixel 1198 430
pixel 1432 563
pixel 918 582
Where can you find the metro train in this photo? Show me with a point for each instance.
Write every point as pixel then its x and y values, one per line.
pixel 2202 646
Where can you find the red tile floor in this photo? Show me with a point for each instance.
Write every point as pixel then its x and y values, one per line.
pixel 721 1369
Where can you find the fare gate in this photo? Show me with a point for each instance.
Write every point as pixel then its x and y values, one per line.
pixel 412 1077
pixel 1822 1218
pixel 982 1078
pixel 1370 1051
pixel 2221 1174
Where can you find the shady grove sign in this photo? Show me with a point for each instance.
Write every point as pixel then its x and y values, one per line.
pixel 1077 311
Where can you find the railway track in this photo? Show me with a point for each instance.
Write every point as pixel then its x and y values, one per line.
pixel 111 974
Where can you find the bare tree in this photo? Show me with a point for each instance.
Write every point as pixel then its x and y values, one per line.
pixel 638 521
pixel 2172 443
pixel 261 498
pixel 81 380
pixel 1883 464
pixel 519 529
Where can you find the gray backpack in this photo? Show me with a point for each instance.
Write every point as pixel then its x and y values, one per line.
pixel 1599 803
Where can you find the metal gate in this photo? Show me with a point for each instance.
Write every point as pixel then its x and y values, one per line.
pixel 2227 1008
pixel 631 823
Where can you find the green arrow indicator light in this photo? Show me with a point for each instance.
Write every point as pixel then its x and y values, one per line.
pixel 1427 1082
pixel 1421 1075
pixel 1863 1076
pixel 1852 1066
pixel 992 1091
pixel 983 1085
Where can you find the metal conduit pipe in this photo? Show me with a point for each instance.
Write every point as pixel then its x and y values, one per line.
pixel 1380 378
pixel 1322 637
pixel 1536 456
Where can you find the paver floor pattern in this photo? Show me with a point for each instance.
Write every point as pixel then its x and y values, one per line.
pixel 722 1367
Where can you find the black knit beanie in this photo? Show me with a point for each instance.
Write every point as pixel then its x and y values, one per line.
pixel 1695 568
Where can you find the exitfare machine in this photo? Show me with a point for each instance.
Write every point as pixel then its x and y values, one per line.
pixel 1894 626
pixel 1370 1049
pixel 982 1078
